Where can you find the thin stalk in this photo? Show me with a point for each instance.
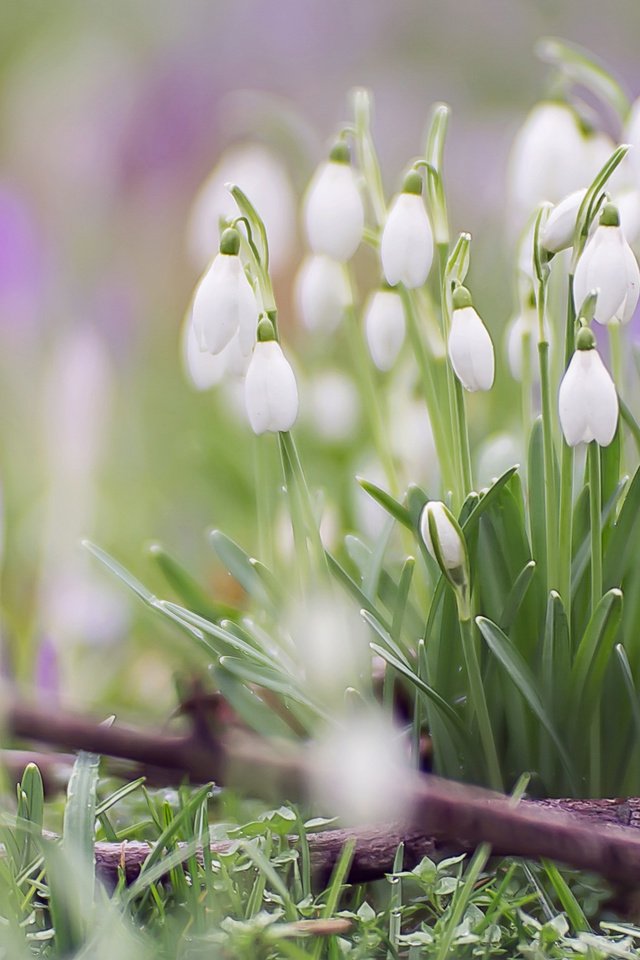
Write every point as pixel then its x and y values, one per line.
pixel 547 443
pixel 617 372
pixel 566 476
pixel 438 425
pixel 479 703
pixel 290 457
pixel 455 422
pixel 526 385
pixel 262 473
pixel 370 398
pixel 595 517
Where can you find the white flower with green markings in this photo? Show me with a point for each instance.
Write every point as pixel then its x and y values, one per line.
pixel 322 293
pixel 608 267
pixel 406 246
pixel 270 389
pixel 470 346
pixel 384 325
pixel 587 401
pixel 333 207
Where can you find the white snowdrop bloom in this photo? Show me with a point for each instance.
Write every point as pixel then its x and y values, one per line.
pixel 632 137
pixel 322 293
pixel 270 389
pixel 333 207
pixel 361 770
pixel 332 406
pixel 204 370
pixel 608 266
pixel 557 233
pixel 262 176
pixel 450 551
pixel 406 246
pixel 385 326
pixel 470 347
pixel 550 158
pixel 587 401
pixel 224 301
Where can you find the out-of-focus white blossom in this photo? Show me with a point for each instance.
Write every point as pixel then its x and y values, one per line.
pixel 322 293
pixel 524 324
pixel 263 178
pixel 550 158
pixel 470 347
pixel 333 207
pixel 557 232
pixel 608 266
pixel 204 370
pixel 587 401
pixel 328 528
pixel 331 405
pixel 270 389
pixel 495 455
pixel 385 326
pixel 628 204
pixel 406 247
pixel 224 302
pixel 361 770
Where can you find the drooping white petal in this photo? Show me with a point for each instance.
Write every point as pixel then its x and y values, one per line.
pixel 523 324
pixel 224 302
pixel 406 247
pixel 203 369
pixel 608 265
pixel 322 293
pixel 271 392
pixel 451 546
pixel 557 233
pixel 333 211
pixel 587 400
pixel 471 350
pixel 384 323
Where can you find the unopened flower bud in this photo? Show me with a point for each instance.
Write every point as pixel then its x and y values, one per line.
pixel 384 324
pixel 406 247
pixel 557 232
pixel 587 401
pixel 608 266
pixel 470 347
pixel 322 293
pixel 445 542
pixel 270 390
pixel 333 208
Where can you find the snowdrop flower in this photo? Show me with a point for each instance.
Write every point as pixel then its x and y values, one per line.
pixel 322 293
pixel 332 406
pixel 406 247
pixel 384 325
pixel 524 324
pixel 608 266
pixel 587 402
pixel 333 208
pixel 445 541
pixel 550 158
pixel 470 346
pixel 557 233
pixel 262 176
pixel 270 390
pixel 203 369
pixel 224 301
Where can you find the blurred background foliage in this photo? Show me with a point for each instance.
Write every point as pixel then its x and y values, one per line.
pixel 111 117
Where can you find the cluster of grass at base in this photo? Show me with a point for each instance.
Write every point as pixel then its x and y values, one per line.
pixel 249 901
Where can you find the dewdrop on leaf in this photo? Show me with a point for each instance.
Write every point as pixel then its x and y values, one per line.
pixel 270 389
pixel 470 347
pixel 406 246
pixel 333 207
pixel 224 301
pixel 384 325
pixel 587 401
pixel 322 293
pixel 608 266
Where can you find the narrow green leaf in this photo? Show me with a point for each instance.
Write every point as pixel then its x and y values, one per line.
pixel 516 595
pixel 186 587
pixel 385 636
pixel 520 674
pixel 269 678
pixel 579 65
pixel 227 642
pixel 537 512
pixel 121 572
pixel 393 508
pixel 592 655
pixel 621 549
pixel 240 566
pixel 338 571
pixel 252 710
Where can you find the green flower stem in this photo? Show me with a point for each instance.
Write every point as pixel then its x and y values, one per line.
pixel 617 372
pixel 551 512
pixel 296 479
pixel 566 476
pixel 457 418
pixel 478 699
pixel 595 515
pixel 438 425
pixel 526 386
pixel 370 397
pixel 262 473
